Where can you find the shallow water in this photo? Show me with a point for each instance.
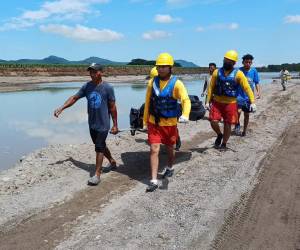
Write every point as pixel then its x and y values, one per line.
pixel 27 122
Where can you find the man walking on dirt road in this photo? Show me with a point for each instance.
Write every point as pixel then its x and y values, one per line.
pixel 221 97
pixel 161 114
pixel 101 104
pixel 211 69
pixel 284 76
pixel 242 99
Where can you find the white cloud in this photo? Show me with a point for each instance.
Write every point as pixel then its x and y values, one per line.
pixel 156 34
pixel 292 19
pixel 82 33
pixel 60 9
pixel 159 18
pixel 187 3
pixel 200 29
pixel 16 24
pixel 219 26
pixel 233 26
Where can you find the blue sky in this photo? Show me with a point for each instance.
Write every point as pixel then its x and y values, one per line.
pixel 199 31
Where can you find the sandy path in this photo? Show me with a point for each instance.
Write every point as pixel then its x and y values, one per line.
pixel 186 212
pixel 269 218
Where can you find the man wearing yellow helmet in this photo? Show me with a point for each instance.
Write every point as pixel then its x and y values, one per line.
pixel 161 114
pixel 153 73
pixel 221 97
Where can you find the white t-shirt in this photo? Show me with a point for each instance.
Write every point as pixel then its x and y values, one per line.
pixel 284 74
pixel 207 79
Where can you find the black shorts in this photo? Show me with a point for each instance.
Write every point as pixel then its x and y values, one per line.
pixel 244 106
pixel 99 138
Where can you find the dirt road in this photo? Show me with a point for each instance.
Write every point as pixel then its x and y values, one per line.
pixel 269 218
pixel 45 203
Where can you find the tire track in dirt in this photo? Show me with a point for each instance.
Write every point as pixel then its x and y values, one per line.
pixel 269 216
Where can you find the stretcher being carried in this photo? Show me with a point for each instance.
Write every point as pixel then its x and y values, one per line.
pixel 136 115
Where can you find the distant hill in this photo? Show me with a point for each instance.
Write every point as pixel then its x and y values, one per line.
pixel 186 64
pixel 59 60
pixel 100 61
pixel 139 61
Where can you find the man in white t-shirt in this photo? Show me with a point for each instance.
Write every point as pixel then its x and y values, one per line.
pixel 284 76
pixel 211 68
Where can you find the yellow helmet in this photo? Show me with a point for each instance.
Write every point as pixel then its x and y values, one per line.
pixel 164 59
pixel 231 55
pixel 153 72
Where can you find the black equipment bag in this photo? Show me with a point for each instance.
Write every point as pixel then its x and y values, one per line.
pixel 197 108
pixel 136 117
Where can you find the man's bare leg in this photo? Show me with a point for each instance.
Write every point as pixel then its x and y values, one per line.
pixel 171 155
pixel 246 122
pixel 109 157
pixel 227 132
pixel 215 126
pixel 154 161
pixel 99 161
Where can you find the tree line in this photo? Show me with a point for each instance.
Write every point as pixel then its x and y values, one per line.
pixel 277 68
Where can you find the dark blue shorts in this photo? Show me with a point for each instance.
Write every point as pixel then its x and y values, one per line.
pixel 99 138
pixel 244 105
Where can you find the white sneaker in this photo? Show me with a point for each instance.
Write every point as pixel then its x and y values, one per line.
pixel 94 181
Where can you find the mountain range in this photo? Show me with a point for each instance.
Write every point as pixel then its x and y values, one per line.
pixel 60 60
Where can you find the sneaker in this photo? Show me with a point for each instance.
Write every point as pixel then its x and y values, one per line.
pixel 244 133
pixel 94 181
pixel 168 173
pixel 237 129
pixel 218 140
pixel 151 187
pixel 223 147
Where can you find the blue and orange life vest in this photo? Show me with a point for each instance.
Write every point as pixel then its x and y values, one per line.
pixel 226 85
pixel 162 103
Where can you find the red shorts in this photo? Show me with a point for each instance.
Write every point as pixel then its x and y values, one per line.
pixel 162 134
pixel 227 111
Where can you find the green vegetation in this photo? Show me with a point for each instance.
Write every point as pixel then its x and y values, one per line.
pixel 277 68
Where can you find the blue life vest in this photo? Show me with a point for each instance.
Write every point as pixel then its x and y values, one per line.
pixel 162 103
pixel 226 85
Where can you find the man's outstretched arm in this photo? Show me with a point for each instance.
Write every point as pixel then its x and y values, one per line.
pixel 68 103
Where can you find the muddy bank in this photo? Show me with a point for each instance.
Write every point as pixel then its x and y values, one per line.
pixel 47 70
pixel 186 212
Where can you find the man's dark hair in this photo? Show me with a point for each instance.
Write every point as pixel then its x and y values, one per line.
pixel 247 57
pixel 212 64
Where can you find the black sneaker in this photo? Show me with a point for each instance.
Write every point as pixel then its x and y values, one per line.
pixel 218 140
pixel 223 147
pixel 237 129
pixel 151 187
pixel 168 173
pixel 244 133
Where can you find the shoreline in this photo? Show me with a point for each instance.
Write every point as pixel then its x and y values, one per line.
pixel 15 83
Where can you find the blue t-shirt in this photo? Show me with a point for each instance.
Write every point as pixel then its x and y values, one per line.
pixel 253 79
pixel 98 97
